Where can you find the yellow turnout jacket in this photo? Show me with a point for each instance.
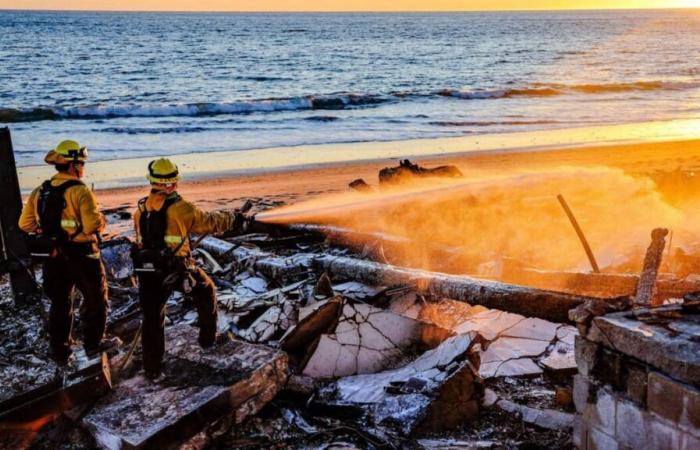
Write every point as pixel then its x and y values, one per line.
pixel 183 218
pixel 81 210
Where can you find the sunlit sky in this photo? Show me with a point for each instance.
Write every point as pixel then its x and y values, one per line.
pixel 340 5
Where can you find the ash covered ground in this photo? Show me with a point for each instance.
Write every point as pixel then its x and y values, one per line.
pixel 369 366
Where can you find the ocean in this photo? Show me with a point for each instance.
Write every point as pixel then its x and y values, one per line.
pixel 147 84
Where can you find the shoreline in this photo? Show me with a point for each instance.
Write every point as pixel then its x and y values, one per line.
pixel 196 167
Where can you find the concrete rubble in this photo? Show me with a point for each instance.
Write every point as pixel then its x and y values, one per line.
pixel 323 347
pixel 201 390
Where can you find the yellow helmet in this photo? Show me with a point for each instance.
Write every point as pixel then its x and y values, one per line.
pixel 162 171
pixel 67 152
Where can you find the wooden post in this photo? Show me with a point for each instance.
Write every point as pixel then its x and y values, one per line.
pixel 15 254
pixel 646 289
pixel 579 232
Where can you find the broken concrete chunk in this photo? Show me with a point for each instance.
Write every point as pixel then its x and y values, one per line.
pixel 314 320
pixel 370 388
pixel 506 348
pixel 256 284
pixel 561 358
pixel 544 418
pixel 449 314
pixel 357 291
pixel 509 368
pixel 117 259
pixel 454 444
pixel 532 328
pixel 201 388
pixel 489 324
pixel 366 340
pixel 433 393
pixel 272 323
pixel 78 385
pixel 567 333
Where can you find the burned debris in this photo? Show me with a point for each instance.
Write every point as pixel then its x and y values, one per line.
pixel 326 344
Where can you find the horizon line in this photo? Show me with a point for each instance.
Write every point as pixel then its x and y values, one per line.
pixel 341 11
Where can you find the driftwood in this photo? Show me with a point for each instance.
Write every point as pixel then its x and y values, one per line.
pixel 548 305
pixel 406 171
pixel 646 289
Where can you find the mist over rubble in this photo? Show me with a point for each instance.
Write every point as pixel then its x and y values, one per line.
pixel 485 219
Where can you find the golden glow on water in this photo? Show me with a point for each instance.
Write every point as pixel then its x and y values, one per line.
pixel 341 5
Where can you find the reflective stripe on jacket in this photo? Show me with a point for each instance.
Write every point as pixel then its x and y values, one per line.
pixel 183 218
pixel 81 209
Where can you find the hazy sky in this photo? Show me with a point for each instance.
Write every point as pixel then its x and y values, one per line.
pixel 338 5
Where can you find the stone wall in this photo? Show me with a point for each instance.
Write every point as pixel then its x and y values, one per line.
pixel 623 402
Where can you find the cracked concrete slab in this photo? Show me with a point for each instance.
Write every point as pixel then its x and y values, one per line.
pixel 370 388
pixel 202 388
pixel 314 320
pixel 407 305
pixel 489 324
pixel 366 339
pixel 509 368
pixel 532 328
pixel 434 392
pixel 448 313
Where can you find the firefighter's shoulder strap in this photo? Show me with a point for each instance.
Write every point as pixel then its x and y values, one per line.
pixel 50 205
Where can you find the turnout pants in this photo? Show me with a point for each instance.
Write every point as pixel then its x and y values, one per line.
pixel 153 295
pixel 62 274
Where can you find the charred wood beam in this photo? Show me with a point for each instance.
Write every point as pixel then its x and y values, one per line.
pixel 646 289
pixel 530 302
pixel 598 284
pixel 548 305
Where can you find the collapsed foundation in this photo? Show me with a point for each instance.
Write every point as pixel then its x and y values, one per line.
pixel 329 345
pixel 638 381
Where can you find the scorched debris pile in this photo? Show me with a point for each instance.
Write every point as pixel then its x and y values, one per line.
pixel 323 344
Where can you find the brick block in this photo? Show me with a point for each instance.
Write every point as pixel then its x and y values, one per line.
pixel 663 435
pixel 586 353
pixel 691 418
pixel 603 413
pixel 608 369
pixel 637 383
pixel 665 397
pixel 689 442
pixel 581 393
pixel 631 425
pixel 597 440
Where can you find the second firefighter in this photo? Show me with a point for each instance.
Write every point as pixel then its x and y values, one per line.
pixel 163 222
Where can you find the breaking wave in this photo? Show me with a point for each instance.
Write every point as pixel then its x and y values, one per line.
pixel 549 90
pixel 322 102
pixel 99 111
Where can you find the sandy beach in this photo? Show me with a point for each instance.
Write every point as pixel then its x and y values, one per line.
pixel 291 174
pixel 293 185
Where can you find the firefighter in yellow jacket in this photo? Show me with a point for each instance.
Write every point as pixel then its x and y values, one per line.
pixel 63 220
pixel 163 222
